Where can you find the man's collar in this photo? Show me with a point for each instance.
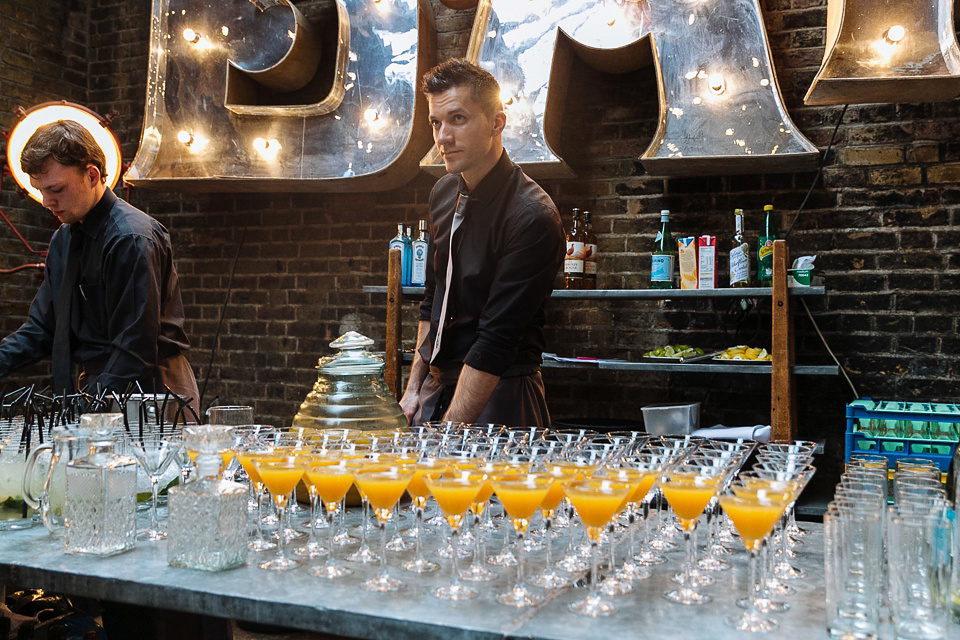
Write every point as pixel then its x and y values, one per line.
pixel 92 223
pixel 491 183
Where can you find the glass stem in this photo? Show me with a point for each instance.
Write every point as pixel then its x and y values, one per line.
pixel 477 547
pixel 646 525
pixel 631 521
pixel 688 565
pixel 764 555
pixel 331 512
pixel 784 558
pixel 754 587
pixel 547 526
pixel 383 546
pixel 259 491
pixel 455 564
pixel 364 522
pixel 314 502
pixel 594 564
pixel 155 489
pixel 520 555
pixel 613 548
pixel 419 537
pixel 281 502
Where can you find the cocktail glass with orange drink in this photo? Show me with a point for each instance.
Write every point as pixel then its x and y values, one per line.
pixel 419 492
pixel 640 479
pixel 561 474
pixel 331 477
pixel 455 491
pixel 281 476
pixel 313 549
pixel 476 571
pixel 596 501
pixel 688 488
pixel 247 456
pixel 383 489
pixel 754 513
pixel 521 495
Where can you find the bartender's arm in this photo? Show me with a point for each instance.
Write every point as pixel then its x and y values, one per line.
pixel 473 391
pixel 410 401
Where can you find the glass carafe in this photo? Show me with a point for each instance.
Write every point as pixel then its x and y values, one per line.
pixel 100 507
pixel 207 522
pixel 69 443
pixel 350 391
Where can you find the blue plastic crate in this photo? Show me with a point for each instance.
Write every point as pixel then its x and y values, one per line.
pixel 898 430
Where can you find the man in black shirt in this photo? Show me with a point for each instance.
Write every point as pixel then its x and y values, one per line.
pixel 110 299
pixel 480 335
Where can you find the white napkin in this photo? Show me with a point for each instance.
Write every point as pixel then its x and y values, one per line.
pixel 760 432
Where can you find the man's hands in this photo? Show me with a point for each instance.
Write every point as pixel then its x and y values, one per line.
pixel 410 403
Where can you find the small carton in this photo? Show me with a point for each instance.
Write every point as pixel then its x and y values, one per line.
pixel 687 248
pixel 707 262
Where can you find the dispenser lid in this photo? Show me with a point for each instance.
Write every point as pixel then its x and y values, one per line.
pixel 353 357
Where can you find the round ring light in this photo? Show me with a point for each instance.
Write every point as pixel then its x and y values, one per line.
pixel 49 112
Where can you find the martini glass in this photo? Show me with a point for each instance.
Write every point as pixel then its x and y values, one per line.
pixel 313 549
pixel 688 489
pixel 455 491
pixel 550 578
pixel 477 572
pixel 640 476
pixel 332 478
pixel 383 489
pixel 596 500
pixel 419 491
pixel 281 477
pixel 521 495
pixel 155 455
pixel 753 514
pixel 246 458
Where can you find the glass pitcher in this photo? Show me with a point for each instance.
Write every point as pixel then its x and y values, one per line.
pixel 350 391
pixel 15 514
pixel 69 443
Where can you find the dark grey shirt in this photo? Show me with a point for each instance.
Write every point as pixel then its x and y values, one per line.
pixel 127 314
pixel 507 252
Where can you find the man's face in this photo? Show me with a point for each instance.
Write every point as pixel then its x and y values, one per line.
pixel 68 192
pixel 468 138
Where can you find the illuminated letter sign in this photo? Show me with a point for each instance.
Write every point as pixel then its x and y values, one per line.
pixel 247 95
pixel 888 51
pixel 720 107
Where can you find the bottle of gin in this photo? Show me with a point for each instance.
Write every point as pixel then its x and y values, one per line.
pixel 402 243
pixel 100 504
pixel 207 522
pixel 418 274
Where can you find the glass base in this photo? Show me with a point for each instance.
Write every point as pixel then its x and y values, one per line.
pixel 632 572
pixel 519 596
pixel 506 559
pixel 659 544
pixel 311 550
pixel 615 586
pixel 720 550
pixel 713 564
pixel 648 558
pixel 593 606
pixel 456 592
pixel 261 545
pixel 153 535
pixel 572 563
pixel 532 544
pixel 780 588
pixel 551 580
pixel 364 555
pixel 344 539
pixel 687 596
pixel 785 571
pixel 382 582
pixel 420 565
pixel 765 605
pixel 447 551
pixel 319 523
pixel 477 573
pixel 397 543
pixel 280 564
pixel 753 623
pixel 291 535
pixel 697 578
pixel 330 572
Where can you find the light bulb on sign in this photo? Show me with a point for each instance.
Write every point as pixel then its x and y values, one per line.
pixel 191 36
pixel 193 142
pixel 185 137
pixel 268 149
pixel 716 83
pixel 894 34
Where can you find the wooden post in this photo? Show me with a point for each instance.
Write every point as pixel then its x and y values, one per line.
pixel 783 410
pixel 393 371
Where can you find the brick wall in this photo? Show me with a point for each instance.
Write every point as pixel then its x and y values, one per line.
pixel 43 57
pixel 883 222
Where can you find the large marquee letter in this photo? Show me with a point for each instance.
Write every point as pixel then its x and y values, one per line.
pixel 720 108
pixel 888 51
pixel 248 95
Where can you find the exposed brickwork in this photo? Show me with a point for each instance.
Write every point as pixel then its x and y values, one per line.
pixel 883 222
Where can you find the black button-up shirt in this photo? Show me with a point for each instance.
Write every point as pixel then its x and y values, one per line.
pixel 127 313
pixel 507 252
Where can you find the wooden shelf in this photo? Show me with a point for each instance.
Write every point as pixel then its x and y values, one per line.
pixel 641 294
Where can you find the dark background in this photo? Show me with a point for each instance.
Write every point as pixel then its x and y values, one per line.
pixel 883 223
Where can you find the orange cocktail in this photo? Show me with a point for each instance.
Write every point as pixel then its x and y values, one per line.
pixel 688 494
pixel 521 495
pixel 455 491
pixel 383 489
pixel 281 477
pixel 596 500
pixel 331 478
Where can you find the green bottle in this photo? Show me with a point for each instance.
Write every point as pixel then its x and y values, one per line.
pixel 663 260
pixel 768 233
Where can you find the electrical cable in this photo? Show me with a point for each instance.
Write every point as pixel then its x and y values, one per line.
pixel 829 350
pixel 820 165
pixel 223 311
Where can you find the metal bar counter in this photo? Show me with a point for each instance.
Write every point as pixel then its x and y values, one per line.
pixel 297 599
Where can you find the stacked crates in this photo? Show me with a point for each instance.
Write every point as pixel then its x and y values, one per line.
pixel 895 430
